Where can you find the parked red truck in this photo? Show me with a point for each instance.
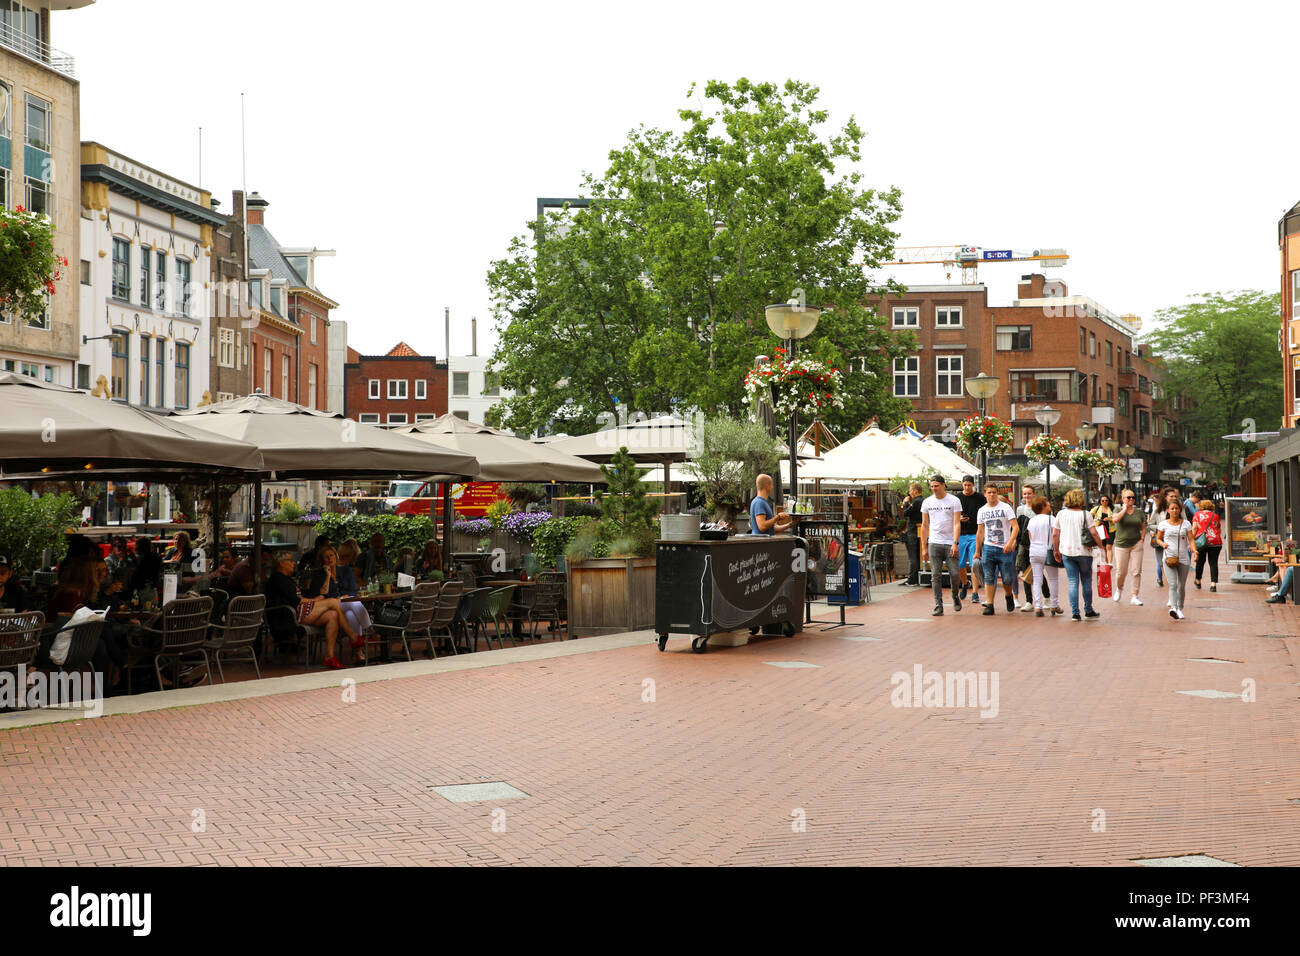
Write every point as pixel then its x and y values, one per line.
pixel 471 498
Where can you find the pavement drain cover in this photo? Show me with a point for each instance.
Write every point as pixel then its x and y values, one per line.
pixel 791 664
pixel 1213 694
pixel 853 637
pixel 1221 623
pixel 1192 859
pixel 1209 660
pixel 1214 638
pixel 913 620
pixel 477 792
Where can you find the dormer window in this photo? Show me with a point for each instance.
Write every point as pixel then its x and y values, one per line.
pixel 276 301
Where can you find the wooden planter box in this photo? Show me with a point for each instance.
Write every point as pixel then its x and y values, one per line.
pixel 611 595
pixel 461 543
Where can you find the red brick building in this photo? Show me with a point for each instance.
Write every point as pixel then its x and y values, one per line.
pixel 400 388
pixel 1047 348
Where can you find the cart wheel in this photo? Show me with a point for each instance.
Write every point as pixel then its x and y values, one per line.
pixel 787 629
pixel 663 641
pixel 700 645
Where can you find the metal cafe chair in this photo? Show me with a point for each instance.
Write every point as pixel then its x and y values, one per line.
pixel 20 639
pixel 234 639
pixel 417 627
pixel 183 627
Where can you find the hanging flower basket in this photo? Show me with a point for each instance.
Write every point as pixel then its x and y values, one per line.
pixel 1045 448
pixel 985 433
pixel 1087 459
pixel 1113 466
pixel 801 385
pixel 29 267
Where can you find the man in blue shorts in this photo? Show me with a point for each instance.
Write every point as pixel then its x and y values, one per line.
pixel 996 544
pixel 971 502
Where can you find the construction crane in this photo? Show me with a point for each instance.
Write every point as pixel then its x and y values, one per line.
pixel 969 258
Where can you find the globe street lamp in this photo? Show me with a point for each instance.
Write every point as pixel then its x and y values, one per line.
pixel 1047 416
pixel 1086 432
pixel 1110 446
pixel 792 321
pixel 983 387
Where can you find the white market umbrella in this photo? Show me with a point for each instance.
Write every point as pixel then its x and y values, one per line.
pixel 1056 476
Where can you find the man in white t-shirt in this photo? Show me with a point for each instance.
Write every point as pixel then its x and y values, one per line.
pixel 995 543
pixel 940 529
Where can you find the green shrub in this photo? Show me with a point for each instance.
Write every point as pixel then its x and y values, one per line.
pixel 551 539
pixel 289 511
pixel 29 525
pixel 399 531
pixel 627 516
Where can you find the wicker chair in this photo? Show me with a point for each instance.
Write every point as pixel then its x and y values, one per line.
pixel 445 619
pixel 239 631
pixel 183 627
pixel 20 639
pixel 424 601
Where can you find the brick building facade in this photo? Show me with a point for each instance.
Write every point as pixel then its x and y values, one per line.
pixel 400 388
pixel 1288 241
pixel 1046 348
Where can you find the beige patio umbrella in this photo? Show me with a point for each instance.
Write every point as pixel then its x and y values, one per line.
pixel 49 430
pixel 656 441
pixel 500 455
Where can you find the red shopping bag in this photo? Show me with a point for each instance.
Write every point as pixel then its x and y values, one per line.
pixel 1103 580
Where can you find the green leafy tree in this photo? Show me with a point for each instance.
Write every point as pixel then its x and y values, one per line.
pixel 653 297
pixel 1221 356
pixel 29 525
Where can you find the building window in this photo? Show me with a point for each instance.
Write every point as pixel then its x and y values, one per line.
pixel 397 388
pixel 369 418
pixel 374 388
pixel 1110 394
pixel 121 269
pixel 1015 338
pixel 907 377
pixel 226 347
pixel 83 377
pixel 6 107
pixel 948 369
pixel 905 318
pixel 313 330
pixel 146 273
pixel 38 197
pixel 1144 384
pixel 491 383
pixel 424 417
pixel 397 418
pixel 85 272
pixel 1092 345
pixel 182 376
pixel 311 385
pixel 225 396
pixel 160 281
pixel 948 317
pixel 38 124
pixel 1295 294
pixel 183 280
pixel 284 377
pixel 461 414
pixel 144 370
pixel 460 383
pixel 421 389
pixel 255 293
pixel 121 374
pixel 1044 387
pixel 160 362
pixel 266 371
pixel 4 188
pixel 275 301
pixel 1144 423
pixel 1110 354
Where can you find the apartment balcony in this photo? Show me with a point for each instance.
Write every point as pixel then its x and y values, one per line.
pixel 1127 377
pixel 37 51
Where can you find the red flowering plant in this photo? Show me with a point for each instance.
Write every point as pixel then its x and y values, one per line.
pixel 1089 459
pixel 802 385
pixel 29 268
pixel 1045 448
pixel 985 433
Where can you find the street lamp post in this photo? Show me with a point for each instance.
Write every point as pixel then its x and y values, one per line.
pixel 983 387
pixel 1127 452
pixel 1110 446
pixel 1047 416
pixel 1086 432
pixel 792 321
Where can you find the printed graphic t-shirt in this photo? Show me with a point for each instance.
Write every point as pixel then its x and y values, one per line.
pixel 996 520
pixel 941 511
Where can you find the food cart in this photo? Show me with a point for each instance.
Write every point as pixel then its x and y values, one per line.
pixel 710 587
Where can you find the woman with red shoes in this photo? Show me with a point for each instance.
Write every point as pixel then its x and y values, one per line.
pixel 314 610
pixel 326 581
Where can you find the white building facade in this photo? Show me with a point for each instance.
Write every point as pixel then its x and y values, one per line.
pixel 146 248
pixel 471 388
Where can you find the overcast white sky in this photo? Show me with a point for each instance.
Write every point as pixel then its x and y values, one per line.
pixel 1150 140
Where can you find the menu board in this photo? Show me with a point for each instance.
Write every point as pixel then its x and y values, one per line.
pixel 828 555
pixel 1247 528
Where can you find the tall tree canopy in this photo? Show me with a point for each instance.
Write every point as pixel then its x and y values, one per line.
pixel 1221 350
pixel 652 298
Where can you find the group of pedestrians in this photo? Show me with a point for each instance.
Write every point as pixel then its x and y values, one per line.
pixel 969 532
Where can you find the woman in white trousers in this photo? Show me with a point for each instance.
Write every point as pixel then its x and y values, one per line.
pixel 1039 530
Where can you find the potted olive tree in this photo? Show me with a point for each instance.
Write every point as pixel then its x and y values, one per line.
pixel 731 457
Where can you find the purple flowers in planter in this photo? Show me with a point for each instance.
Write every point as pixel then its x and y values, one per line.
pixel 479 527
pixel 521 524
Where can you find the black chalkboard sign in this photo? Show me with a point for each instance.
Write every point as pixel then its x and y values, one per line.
pixel 828 555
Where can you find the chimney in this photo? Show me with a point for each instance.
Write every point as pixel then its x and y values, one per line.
pixel 473 335
pixel 446 320
pixel 256 206
pixel 1031 286
pixel 237 204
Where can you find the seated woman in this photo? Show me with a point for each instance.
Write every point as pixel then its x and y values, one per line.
pixel 430 566
pixel 180 549
pixel 405 562
pixel 315 611
pixel 326 582
pixel 349 578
